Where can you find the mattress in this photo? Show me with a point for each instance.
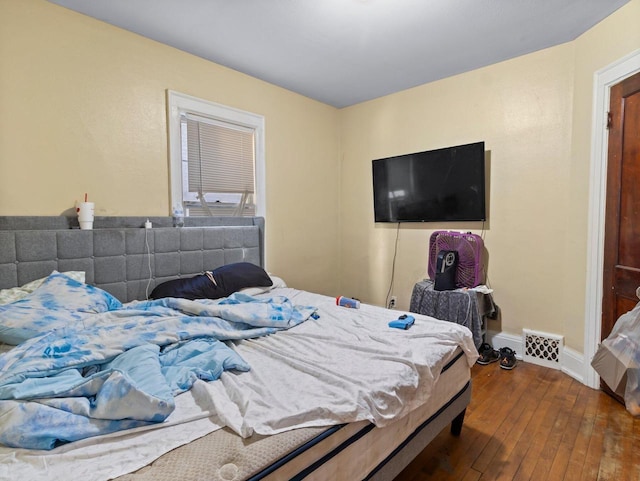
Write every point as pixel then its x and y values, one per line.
pixel 343 452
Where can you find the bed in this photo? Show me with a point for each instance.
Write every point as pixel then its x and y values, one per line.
pixel 297 413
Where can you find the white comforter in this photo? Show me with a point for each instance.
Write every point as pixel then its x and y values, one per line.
pixel 346 366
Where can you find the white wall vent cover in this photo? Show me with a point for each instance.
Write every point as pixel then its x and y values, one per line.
pixel 542 348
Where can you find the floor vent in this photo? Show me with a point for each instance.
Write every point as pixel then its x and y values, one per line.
pixel 542 348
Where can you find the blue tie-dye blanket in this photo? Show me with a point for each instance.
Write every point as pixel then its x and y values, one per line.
pixel 121 368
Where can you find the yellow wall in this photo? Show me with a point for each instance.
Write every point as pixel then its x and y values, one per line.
pixel 522 110
pixel 534 113
pixel 82 109
pixel 610 40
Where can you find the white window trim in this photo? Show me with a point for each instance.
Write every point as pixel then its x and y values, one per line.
pixel 179 104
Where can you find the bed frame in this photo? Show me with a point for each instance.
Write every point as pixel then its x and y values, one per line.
pixel 122 257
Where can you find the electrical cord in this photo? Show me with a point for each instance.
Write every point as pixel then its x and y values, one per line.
pixel 146 243
pixel 487 283
pixel 393 266
pixel 466 317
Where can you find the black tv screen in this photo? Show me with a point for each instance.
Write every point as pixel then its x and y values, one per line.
pixel 433 186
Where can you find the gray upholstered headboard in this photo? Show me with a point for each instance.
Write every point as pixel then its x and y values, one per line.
pixel 122 257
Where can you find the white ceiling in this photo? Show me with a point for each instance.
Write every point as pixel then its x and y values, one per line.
pixel 343 52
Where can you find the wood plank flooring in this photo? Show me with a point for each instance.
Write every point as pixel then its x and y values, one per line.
pixel 537 424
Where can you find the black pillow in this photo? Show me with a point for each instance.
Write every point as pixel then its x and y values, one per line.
pixel 233 277
pixel 198 287
pixel 228 279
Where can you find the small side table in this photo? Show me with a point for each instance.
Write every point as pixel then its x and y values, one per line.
pixel 467 307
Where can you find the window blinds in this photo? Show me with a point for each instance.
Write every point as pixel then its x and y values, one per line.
pixel 220 156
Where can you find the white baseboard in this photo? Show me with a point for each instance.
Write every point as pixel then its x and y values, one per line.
pixel 501 339
pixel 572 362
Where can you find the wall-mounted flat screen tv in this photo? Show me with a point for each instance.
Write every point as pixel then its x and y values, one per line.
pixel 433 186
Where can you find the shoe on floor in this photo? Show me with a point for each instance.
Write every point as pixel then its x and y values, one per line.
pixel 487 354
pixel 507 358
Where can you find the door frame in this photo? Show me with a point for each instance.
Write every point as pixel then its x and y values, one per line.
pixel 604 79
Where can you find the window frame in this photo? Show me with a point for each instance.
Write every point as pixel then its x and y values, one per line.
pixel 179 104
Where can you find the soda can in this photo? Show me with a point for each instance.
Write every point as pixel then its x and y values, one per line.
pixel 348 302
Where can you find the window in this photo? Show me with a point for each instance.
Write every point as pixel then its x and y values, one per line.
pixel 216 158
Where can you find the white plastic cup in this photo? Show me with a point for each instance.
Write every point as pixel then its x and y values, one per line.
pixel 85 215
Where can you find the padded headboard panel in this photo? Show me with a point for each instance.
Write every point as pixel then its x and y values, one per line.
pixel 126 261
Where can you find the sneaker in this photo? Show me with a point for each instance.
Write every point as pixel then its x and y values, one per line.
pixel 487 354
pixel 507 358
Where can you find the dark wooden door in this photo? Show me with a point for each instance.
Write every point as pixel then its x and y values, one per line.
pixel 622 224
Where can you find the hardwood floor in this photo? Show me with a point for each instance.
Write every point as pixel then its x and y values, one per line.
pixel 534 423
